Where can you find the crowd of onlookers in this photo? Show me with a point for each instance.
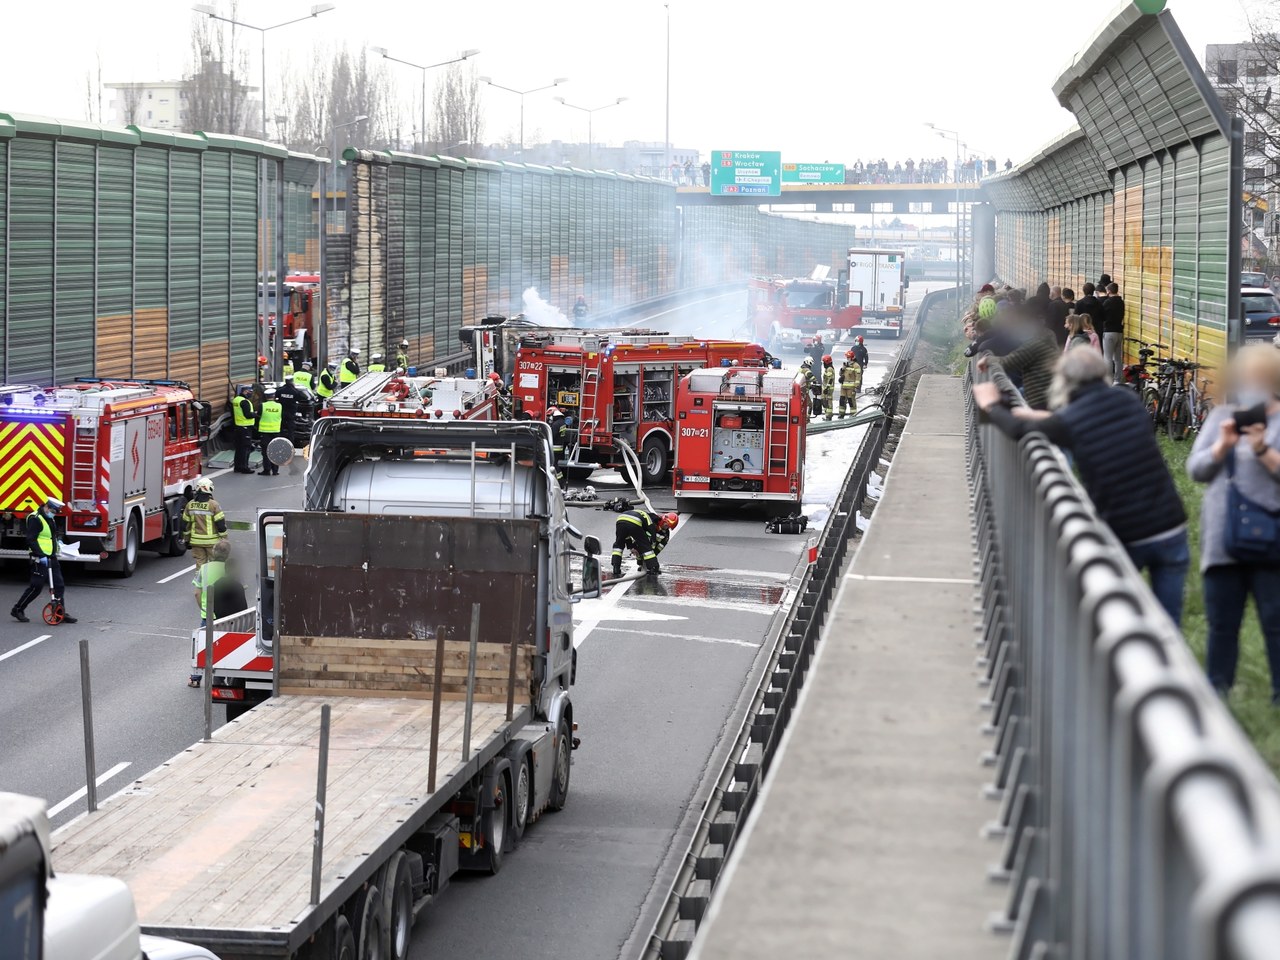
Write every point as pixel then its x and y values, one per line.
pixel 920 171
pixel 1056 362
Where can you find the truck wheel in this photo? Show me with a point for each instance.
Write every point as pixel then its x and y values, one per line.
pixel 493 824
pixel 369 932
pixel 397 907
pixel 522 800
pixel 126 560
pixel 655 461
pixel 344 944
pixel 174 544
pixel 563 766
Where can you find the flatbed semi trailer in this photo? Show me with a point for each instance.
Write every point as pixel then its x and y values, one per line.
pixel 437 760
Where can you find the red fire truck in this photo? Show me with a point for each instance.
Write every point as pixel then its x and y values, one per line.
pixel 616 388
pixel 122 455
pixel 300 293
pixel 786 313
pixel 741 437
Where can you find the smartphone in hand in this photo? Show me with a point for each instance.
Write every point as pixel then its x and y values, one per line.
pixel 1250 416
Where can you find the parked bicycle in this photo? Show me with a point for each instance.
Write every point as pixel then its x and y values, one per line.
pixel 1174 400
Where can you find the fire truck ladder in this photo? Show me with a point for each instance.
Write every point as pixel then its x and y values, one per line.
pixel 587 401
pixel 84 466
pixel 779 437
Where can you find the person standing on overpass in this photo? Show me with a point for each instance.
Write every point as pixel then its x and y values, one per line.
pixel 42 546
pixel 1109 436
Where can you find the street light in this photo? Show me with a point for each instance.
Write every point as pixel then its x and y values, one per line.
pixel 666 149
pixel 954 135
pixel 521 94
pixel 464 55
pixel 589 111
pixel 322 341
pixel 273 350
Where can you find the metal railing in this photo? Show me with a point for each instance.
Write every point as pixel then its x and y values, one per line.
pixel 1137 822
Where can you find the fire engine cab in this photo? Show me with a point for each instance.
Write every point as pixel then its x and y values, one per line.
pixel 300 293
pixel 785 313
pixel 441 397
pixel 618 390
pixel 741 436
pixel 122 455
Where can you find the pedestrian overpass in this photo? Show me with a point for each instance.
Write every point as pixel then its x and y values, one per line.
pixel 848 197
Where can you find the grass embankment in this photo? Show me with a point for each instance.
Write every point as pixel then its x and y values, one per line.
pixel 1250 700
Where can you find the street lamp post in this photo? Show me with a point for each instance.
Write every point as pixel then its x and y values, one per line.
pixel 666 143
pixel 465 55
pixel 322 338
pixel 590 111
pixel 521 94
pixel 954 135
pixel 266 346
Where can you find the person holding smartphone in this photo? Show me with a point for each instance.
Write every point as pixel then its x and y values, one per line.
pixel 1238 455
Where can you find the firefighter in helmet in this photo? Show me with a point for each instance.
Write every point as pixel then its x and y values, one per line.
pixel 46 571
pixel 504 396
pixel 859 352
pixel 850 383
pixel 350 368
pixel 402 356
pixel 559 438
pixel 812 384
pixel 580 308
pixel 646 534
pixel 828 386
pixel 204 522
pixel 286 367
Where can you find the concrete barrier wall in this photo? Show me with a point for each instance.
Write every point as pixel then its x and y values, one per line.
pixel 1146 189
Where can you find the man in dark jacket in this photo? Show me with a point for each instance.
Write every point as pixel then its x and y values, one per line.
pixel 1109 435
pixel 1090 305
pixel 1038 306
pixel 1112 331
pixel 42 547
pixel 1056 317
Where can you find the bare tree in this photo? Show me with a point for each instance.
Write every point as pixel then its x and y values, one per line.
pixel 335 88
pixel 93 91
pixel 458 116
pixel 216 96
pixel 131 99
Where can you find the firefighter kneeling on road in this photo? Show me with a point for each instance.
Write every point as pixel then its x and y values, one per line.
pixel 850 384
pixel 42 544
pixel 204 522
pixel 828 387
pixel 644 532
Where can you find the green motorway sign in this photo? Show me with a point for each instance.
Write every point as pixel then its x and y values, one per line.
pixel 813 173
pixel 746 172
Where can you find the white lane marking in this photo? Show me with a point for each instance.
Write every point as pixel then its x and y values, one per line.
pixel 883 579
pixel 175 576
pixel 594 613
pixel 583 630
pixel 80 794
pixel 682 636
pixel 166 636
pixel 218 473
pixel 744 606
pixel 26 646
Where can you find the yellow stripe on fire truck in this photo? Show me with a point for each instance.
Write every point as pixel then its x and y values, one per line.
pixel 32 457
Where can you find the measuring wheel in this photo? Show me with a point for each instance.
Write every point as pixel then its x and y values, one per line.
pixel 53 613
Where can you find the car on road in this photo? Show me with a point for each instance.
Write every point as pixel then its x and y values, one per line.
pixel 1261 311
pixel 1254 279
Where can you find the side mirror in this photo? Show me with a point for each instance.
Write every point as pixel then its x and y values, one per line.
pixel 590 579
pixel 591 545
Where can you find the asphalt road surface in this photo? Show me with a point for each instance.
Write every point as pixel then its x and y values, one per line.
pixel 663 666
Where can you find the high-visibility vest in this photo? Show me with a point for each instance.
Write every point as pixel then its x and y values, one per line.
pixel 242 410
pixel 324 386
pixel 347 373
pixel 272 417
pixel 202 517
pixel 302 379
pixel 402 360
pixel 377 368
pixel 45 538
pixel 287 368
pixel 206 577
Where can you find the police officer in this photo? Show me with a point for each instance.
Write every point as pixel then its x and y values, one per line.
pixel 291 401
pixel 402 355
pixel 644 532
pixel 204 522
pixel 245 417
pixel 326 383
pixel 850 383
pixel 859 352
pixel 270 423
pixel 42 545
pixel 303 379
pixel 376 365
pixel 350 369
pixel 828 387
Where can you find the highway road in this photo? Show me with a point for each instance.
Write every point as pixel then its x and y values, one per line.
pixel 663 667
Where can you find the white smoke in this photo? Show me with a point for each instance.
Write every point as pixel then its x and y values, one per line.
pixel 538 311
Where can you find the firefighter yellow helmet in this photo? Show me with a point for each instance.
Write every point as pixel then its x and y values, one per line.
pixel 986 308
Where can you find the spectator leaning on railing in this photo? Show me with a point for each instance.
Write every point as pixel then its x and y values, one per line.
pixel 1238 455
pixel 1033 360
pixel 1109 435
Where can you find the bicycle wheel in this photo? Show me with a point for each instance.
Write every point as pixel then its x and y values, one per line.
pixel 1179 423
pixel 1151 400
pixel 1203 409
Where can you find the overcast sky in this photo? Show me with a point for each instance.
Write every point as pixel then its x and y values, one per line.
pixel 819 81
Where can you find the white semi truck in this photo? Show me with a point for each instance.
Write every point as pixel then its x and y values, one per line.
pixel 876 281
pixel 449 732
